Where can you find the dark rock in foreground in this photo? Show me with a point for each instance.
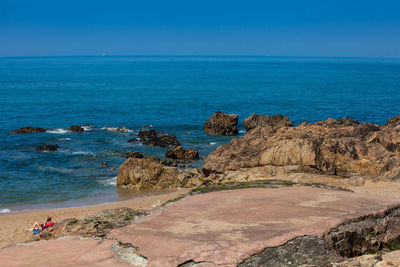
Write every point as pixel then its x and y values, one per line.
pixel 301 251
pixel 275 121
pixel 154 138
pixel 48 147
pixel 180 153
pixel 150 173
pixel 134 154
pixel 222 124
pixel 333 147
pixel 77 128
pixel 28 129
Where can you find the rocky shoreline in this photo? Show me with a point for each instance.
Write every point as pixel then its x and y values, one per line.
pixel 332 155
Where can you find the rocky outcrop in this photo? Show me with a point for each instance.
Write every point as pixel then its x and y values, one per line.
pixel 275 121
pixel 222 124
pixel 98 225
pixel 154 138
pixel 134 154
pixel 48 147
pixel 333 147
pixel 104 164
pixel 28 129
pixel 180 153
pixel 150 173
pixel 301 251
pixel 369 234
pixel 76 128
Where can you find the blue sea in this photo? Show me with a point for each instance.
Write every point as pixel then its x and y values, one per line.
pixel 171 94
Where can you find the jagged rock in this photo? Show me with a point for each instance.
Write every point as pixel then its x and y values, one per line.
pixel 370 234
pixel 104 164
pixel 150 173
pixel 301 251
pixel 76 128
pixel 48 147
pixel 134 154
pixel 154 138
pixel 275 121
pixel 133 140
pixel 334 147
pixel 28 129
pixel 222 124
pixel 180 153
pixel 389 259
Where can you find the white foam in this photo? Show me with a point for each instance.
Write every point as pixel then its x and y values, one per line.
pixel 64 139
pixel 241 131
pixel 213 143
pixel 4 210
pixel 86 127
pixel 110 181
pixel 82 153
pixel 58 131
pixel 121 129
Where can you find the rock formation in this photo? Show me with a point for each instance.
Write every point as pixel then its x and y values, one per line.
pixel 134 154
pixel 150 173
pixel 275 121
pixel 222 124
pixel 28 129
pixel 76 128
pixel 333 147
pixel 48 147
pixel 154 138
pixel 180 153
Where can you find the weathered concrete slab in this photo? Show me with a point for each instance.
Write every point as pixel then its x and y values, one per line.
pixel 226 227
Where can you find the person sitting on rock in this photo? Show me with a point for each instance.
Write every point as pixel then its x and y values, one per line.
pixel 38 228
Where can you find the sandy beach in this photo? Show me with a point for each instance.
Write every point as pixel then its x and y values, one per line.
pixel 12 226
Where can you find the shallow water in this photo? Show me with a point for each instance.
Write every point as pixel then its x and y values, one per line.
pixel 172 94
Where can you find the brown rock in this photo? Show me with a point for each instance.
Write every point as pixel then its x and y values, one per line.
pixel 154 138
pixel 180 153
pixel 104 164
pixel 76 128
pixel 48 147
pixel 150 173
pixel 134 154
pixel 275 121
pixel 28 129
pixel 222 124
pixel 335 147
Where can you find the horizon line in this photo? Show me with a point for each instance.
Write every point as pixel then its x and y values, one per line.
pixel 189 55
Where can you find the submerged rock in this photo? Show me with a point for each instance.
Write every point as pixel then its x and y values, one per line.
pixel 222 124
pixel 180 153
pixel 154 138
pixel 77 128
pixel 275 121
pixel 121 129
pixel 29 129
pixel 134 154
pixel 333 147
pixel 48 147
pixel 150 173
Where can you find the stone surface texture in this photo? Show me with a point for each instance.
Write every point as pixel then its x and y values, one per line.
pixel 275 121
pixel 154 138
pixel 333 147
pixel 222 124
pixel 227 227
pixel 182 154
pixel 150 173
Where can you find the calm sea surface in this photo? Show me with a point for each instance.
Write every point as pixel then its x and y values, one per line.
pixel 172 94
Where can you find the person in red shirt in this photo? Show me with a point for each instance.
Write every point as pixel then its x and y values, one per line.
pixel 37 228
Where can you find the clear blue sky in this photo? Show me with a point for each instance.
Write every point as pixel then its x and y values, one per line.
pixel 363 28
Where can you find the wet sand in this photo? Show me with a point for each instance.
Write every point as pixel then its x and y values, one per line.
pixel 12 226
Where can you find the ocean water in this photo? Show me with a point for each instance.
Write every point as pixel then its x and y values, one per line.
pixel 171 94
